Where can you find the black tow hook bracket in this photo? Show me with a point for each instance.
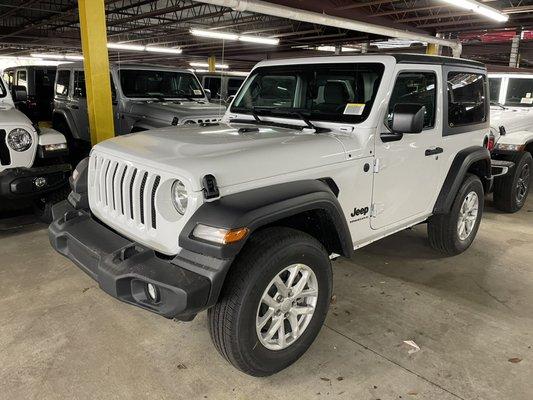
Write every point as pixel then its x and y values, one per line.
pixel 210 187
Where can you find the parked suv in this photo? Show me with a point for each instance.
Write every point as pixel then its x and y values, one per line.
pixel 222 87
pixel 144 97
pixel 34 85
pixel 512 122
pixel 32 170
pixel 316 158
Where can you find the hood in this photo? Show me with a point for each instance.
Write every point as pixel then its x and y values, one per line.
pixel 10 116
pixel 191 152
pixel 512 118
pixel 167 110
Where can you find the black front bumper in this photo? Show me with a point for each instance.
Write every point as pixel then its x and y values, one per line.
pixel 16 183
pixel 123 268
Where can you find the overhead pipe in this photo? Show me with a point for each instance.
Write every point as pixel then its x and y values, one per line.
pixel 263 7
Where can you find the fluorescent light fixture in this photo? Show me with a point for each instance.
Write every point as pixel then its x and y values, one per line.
pixel 332 49
pixel 206 65
pixel 397 43
pixel 73 57
pixel 479 8
pixel 122 46
pixel 214 34
pixel 234 36
pixel 260 40
pixel 169 50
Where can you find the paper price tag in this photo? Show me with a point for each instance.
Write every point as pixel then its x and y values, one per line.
pixel 354 109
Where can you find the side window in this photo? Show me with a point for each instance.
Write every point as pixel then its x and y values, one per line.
pixel 466 99
pixel 79 84
pixel 22 79
pixel 213 84
pixel 233 85
pixel 62 82
pixel 415 88
pixel 495 85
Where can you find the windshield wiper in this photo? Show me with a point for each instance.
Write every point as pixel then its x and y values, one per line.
pixel 295 112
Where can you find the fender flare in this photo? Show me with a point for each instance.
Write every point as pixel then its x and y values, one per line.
pixel 461 164
pixel 63 115
pixel 259 207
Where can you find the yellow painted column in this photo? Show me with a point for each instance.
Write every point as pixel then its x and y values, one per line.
pixel 96 66
pixel 432 49
pixel 211 62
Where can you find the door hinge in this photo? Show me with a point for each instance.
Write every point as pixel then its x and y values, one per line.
pixel 373 211
pixel 376 165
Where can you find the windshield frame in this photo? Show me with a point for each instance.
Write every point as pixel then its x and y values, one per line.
pixel 181 97
pixel 298 70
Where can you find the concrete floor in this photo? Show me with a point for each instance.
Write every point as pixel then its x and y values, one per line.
pixel 63 338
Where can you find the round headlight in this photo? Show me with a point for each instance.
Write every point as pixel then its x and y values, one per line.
pixel 19 139
pixel 180 197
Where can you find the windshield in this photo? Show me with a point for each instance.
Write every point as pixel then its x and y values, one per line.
pixel 520 92
pixel 159 84
pixel 322 92
pixel 494 86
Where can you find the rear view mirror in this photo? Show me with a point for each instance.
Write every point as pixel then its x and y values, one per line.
pixel 408 118
pixel 19 94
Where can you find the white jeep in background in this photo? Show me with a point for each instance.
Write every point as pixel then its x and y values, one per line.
pixel 314 159
pixel 512 126
pixel 32 167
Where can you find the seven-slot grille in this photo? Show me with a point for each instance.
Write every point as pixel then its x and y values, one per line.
pixel 125 190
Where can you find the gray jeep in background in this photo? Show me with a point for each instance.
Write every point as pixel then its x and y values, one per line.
pixel 144 97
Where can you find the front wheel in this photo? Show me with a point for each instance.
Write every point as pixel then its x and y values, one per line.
pixel 273 303
pixel 454 232
pixel 511 190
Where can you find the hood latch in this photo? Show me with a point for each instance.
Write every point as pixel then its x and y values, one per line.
pixel 210 187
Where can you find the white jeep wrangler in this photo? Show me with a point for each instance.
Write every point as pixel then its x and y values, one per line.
pixel 315 158
pixel 512 122
pixel 32 171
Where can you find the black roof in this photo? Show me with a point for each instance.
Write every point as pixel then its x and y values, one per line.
pixel 405 58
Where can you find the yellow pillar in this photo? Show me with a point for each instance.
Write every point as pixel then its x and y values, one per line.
pixel 96 66
pixel 432 49
pixel 211 62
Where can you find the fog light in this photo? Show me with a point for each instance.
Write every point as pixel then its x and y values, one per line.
pixel 152 292
pixel 40 182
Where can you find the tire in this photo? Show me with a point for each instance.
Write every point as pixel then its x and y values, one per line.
pixel 232 321
pixel 511 190
pixel 78 149
pixel 444 230
pixel 43 207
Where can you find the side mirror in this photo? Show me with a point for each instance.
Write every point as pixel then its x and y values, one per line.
pixel 19 94
pixel 408 118
pixel 208 94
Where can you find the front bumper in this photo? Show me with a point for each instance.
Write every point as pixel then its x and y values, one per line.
pixel 186 284
pixel 18 183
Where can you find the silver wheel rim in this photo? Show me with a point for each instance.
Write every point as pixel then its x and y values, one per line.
pixel 286 307
pixel 522 186
pixel 468 215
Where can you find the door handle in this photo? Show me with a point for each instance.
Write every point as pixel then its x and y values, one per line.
pixel 435 151
pixel 74 107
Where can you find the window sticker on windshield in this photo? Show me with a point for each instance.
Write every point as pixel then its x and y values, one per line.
pixel 354 109
pixel 197 92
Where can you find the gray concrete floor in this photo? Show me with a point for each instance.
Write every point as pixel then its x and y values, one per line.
pixel 63 338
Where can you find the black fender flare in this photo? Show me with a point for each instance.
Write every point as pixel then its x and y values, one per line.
pixel 259 207
pixel 61 114
pixel 461 164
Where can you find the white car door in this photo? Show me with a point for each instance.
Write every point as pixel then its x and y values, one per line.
pixel 408 171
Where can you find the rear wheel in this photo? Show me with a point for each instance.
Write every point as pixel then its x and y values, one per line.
pixel 274 301
pixel 512 189
pixel 454 232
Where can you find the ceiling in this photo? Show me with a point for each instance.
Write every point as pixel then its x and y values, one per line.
pixel 28 26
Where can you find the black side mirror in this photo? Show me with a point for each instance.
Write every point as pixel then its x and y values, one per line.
pixel 208 93
pixel 408 118
pixel 503 131
pixel 19 94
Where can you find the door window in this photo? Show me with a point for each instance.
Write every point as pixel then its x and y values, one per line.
pixel 233 85
pixel 415 88
pixel 22 79
pixel 495 85
pixel 79 84
pixel 213 84
pixel 520 92
pixel 62 82
pixel 467 99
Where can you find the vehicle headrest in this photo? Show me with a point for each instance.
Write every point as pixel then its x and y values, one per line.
pixel 335 92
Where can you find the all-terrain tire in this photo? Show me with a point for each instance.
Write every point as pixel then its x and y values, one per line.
pixel 443 229
pixel 232 321
pixel 511 190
